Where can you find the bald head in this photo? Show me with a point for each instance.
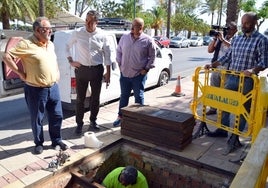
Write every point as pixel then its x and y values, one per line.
pixel 248 21
pixel 137 27
pixel 138 21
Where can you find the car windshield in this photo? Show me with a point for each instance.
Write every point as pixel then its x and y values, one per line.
pixel 157 38
pixel 206 38
pixel 176 38
pixel 194 38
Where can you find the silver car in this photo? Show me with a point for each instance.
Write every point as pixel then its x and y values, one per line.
pixel 179 42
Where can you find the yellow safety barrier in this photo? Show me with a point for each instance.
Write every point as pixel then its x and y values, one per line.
pixel 206 96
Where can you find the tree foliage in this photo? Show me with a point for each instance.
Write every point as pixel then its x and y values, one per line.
pixel 262 12
pixel 27 10
pixel 158 15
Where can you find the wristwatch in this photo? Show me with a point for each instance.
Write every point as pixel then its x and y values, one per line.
pixel 70 59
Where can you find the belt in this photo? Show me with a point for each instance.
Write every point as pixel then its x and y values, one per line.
pixel 91 66
pixel 48 86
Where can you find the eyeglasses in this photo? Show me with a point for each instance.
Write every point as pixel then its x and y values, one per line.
pixel 46 28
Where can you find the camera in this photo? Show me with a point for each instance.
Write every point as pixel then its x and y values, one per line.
pixel 214 32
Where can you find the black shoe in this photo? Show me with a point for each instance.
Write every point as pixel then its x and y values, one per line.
pixel 236 141
pixel 60 145
pixel 229 149
pixel 38 149
pixel 94 125
pixel 78 129
pixel 211 112
pixel 233 144
pixel 218 133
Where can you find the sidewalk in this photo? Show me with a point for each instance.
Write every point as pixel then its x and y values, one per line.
pixel 19 167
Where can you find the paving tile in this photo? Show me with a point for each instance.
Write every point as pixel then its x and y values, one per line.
pixel 19 161
pixel 16 146
pixel 34 166
pixel 41 163
pixel 3 171
pixel 3 182
pixel 30 179
pixel 18 173
pixel 10 177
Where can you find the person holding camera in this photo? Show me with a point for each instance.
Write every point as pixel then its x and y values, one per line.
pixel 248 54
pixel 220 45
pixel 127 176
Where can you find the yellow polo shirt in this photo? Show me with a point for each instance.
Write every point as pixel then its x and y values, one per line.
pixel 39 61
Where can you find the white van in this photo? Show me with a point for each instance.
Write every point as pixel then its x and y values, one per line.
pixel 157 76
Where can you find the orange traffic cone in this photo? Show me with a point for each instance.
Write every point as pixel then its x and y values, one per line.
pixel 177 92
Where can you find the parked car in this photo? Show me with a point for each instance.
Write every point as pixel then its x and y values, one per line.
pixel 164 41
pixel 196 41
pixel 179 42
pixel 165 50
pixel 207 40
pixel 158 76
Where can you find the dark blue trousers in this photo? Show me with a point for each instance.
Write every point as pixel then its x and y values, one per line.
pixel 40 101
pixel 137 84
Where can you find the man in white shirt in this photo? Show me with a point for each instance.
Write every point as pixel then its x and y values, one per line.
pixel 92 50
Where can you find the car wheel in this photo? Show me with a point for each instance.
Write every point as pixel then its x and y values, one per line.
pixel 163 78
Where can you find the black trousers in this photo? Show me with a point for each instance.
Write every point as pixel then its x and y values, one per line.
pixel 84 75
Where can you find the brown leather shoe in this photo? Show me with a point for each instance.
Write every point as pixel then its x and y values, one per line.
pixel 211 112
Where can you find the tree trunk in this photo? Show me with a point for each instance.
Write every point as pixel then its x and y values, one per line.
pixel 41 8
pixel 5 20
pixel 232 11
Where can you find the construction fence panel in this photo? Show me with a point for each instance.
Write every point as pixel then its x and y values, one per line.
pixel 234 102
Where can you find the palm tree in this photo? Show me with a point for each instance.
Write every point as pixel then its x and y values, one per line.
pixel 15 9
pixel 232 11
pixel 158 14
pixel 128 10
pixel 210 7
pixel 41 8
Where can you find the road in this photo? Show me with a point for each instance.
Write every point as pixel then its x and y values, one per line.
pixel 185 60
pixel 14 112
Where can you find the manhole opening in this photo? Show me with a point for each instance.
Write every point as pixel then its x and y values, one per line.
pixel 162 169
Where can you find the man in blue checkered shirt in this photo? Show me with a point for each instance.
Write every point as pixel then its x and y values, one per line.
pixel 248 53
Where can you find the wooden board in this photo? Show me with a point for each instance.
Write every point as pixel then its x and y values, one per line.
pixel 162 127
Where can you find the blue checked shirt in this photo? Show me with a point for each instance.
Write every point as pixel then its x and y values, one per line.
pixel 247 52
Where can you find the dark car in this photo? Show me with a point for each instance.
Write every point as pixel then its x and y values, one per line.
pixel 164 41
pixel 207 40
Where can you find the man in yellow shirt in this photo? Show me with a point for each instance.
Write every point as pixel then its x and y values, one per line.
pixel 40 74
